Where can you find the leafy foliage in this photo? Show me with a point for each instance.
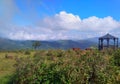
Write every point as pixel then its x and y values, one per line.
pixel 67 67
pixel 116 57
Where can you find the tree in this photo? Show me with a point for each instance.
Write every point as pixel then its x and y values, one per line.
pixel 36 44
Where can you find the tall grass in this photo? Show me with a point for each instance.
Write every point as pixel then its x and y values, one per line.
pixel 64 67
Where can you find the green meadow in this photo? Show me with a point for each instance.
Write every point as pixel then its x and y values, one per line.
pixel 60 67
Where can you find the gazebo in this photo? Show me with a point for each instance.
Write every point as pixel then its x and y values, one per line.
pixel 108 44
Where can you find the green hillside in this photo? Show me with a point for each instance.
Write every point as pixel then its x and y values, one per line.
pixel 6 44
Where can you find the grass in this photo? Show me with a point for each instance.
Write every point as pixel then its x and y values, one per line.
pixel 7 68
pixel 59 60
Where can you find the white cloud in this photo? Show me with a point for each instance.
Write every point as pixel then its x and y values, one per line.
pixel 65 26
pixel 63 21
pixel 105 24
pixel 67 21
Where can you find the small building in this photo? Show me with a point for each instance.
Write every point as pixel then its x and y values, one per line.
pixel 111 42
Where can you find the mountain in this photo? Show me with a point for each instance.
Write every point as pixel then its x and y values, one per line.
pixel 7 44
pixel 66 44
pixel 95 39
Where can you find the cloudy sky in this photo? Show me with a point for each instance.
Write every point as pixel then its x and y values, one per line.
pixel 58 19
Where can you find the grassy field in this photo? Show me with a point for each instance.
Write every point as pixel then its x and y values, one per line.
pixel 60 67
pixel 7 68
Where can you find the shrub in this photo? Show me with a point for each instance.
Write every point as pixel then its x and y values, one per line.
pixel 6 79
pixel 69 68
pixel 27 52
pixel 116 57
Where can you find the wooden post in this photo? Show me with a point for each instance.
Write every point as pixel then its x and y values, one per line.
pixel 108 42
pixel 101 43
pixel 117 42
pixel 114 43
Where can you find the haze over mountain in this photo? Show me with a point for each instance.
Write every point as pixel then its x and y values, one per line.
pixel 7 44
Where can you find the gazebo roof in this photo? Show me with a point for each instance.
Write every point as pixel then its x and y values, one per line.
pixel 108 36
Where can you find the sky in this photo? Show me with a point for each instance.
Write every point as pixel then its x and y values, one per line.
pixel 58 19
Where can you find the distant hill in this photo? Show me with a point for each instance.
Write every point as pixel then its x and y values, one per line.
pixel 7 44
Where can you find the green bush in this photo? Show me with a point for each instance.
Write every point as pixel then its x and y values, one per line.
pixel 116 57
pixel 68 68
pixel 6 79
pixel 27 52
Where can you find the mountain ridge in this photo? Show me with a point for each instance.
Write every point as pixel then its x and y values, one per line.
pixel 8 44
